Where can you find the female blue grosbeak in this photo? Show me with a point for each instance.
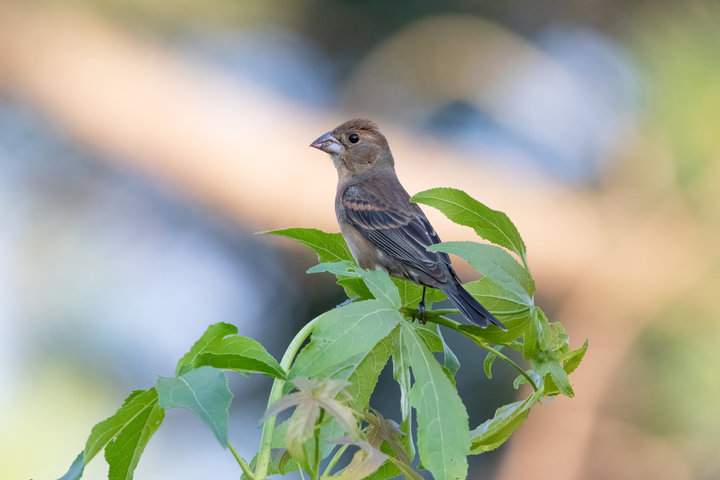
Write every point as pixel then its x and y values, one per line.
pixel 381 227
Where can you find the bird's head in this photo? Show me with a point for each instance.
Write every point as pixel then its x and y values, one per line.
pixel 356 147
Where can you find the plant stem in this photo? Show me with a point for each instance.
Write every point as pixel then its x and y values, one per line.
pixel 243 464
pixel 316 469
pixel 334 460
pixel 263 458
pixel 447 322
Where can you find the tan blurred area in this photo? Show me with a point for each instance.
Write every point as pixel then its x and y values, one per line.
pixel 611 259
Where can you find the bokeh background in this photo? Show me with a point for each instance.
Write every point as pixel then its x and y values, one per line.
pixel 144 142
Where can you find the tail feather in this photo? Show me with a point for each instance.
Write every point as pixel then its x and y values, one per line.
pixel 471 308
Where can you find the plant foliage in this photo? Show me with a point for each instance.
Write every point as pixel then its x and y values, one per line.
pixel 328 383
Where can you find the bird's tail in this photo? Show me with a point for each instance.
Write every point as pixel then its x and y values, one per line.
pixel 471 308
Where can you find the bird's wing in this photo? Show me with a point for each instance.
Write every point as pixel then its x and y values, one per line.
pixel 399 230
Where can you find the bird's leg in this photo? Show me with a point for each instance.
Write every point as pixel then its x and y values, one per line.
pixel 421 309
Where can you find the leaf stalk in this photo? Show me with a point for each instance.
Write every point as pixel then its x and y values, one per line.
pixel 263 458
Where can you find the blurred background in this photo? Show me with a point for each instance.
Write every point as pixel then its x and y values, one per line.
pixel 143 143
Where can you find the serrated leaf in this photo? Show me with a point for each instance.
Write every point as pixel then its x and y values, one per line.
pixel 497 299
pixel 135 405
pixel 443 432
pixel 547 338
pixel 560 378
pixel 213 334
pixel 204 391
pixel 219 347
pixel 429 333
pixel 517 326
pixel 365 376
pixel 378 282
pixel 382 287
pixel 355 287
pixel 343 338
pixel 572 359
pixel 340 268
pixel 123 452
pixel 76 468
pixel 492 225
pixel 508 418
pixel 329 247
pixel 494 263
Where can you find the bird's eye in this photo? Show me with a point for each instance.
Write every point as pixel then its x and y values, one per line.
pixel 354 138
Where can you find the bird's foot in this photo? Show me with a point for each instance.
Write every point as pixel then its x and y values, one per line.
pixel 422 317
pixel 348 301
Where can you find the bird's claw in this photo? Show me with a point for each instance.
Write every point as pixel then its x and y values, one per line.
pixel 422 317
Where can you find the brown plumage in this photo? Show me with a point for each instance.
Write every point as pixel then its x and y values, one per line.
pixel 381 227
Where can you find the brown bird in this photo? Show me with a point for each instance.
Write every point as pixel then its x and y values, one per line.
pixel 381 227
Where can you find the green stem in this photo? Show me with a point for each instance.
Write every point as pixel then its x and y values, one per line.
pixel 263 458
pixel 517 367
pixel 334 460
pixel 316 469
pixel 447 322
pixel 243 464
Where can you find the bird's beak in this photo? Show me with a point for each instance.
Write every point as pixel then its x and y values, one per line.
pixel 327 143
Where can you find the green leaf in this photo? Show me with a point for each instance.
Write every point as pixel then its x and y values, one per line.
pixel 572 359
pixel 204 391
pixel 76 469
pixel 340 268
pixel 530 340
pixel 348 277
pixel 212 335
pixel 219 347
pixel 494 263
pixel 140 418
pixel 330 247
pixel 546 337
pixel 487 364
pixel 430 335
pixel 355 287
pixel 343 338
pixel 382 287
pixel 497 299
pixel 137 405
pixel 492 225
pixel 443 433
pixel 496 430
pixel 554 375
pixel 365 376
pixel 450 361
pixel 378 282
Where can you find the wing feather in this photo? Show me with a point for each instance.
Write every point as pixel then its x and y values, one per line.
pixel 403 233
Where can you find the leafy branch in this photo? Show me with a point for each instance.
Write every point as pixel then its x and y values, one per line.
pixel 328 382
